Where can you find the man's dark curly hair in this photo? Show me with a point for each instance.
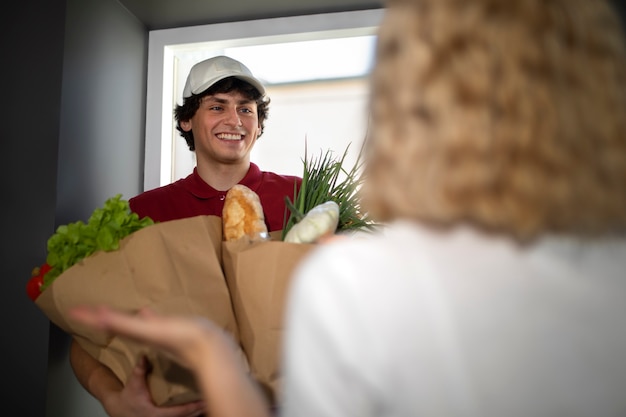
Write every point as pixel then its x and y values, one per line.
pixel 191 104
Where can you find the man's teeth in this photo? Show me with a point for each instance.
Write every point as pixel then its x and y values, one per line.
pixel 229 136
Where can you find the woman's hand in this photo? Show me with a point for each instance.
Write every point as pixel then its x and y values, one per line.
pixel 184 339
pixel 195 343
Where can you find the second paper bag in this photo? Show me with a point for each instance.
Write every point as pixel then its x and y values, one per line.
pixel 258 276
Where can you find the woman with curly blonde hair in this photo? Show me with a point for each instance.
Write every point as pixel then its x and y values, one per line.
pixel 507 115
pixel 497 158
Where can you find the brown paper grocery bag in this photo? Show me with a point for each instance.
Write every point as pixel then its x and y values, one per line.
pixel 258 276
pixel 171 267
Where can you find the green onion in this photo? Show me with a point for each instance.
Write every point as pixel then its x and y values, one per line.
pixel 320 183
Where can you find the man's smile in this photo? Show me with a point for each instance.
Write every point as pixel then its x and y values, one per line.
pixel 230 136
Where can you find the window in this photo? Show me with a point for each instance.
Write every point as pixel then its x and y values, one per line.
pixel 315 70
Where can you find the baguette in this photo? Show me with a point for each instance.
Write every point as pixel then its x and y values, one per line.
pixel 242 215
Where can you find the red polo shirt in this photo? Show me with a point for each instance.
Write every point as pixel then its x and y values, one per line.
pixel 191 196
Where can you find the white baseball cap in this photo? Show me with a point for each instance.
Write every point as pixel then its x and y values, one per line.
pixel 206 73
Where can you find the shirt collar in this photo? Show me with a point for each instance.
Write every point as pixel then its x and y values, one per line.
pixel 200 189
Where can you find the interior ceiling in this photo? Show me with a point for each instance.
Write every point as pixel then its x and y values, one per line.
pixel 167 14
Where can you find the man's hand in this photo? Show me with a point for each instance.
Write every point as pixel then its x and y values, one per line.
pixel 134 400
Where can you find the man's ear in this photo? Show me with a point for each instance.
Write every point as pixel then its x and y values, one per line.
pixel 185 125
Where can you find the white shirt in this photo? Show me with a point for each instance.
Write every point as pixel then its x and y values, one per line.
pixel 425 323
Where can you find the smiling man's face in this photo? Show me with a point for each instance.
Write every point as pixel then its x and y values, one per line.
pixel 225 128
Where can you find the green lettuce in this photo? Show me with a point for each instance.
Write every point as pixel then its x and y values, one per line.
pixel 102 232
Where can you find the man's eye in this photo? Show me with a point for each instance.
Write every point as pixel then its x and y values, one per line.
pixel 245 110
pixel 215 108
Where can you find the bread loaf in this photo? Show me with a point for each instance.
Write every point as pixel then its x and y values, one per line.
pixel 242 215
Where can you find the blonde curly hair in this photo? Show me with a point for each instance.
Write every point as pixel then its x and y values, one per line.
pixel 506 114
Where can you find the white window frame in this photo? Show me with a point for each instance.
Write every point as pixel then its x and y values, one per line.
pixel 161 55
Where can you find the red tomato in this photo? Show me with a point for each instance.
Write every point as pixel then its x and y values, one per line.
pixel 33 287
pixel 44 269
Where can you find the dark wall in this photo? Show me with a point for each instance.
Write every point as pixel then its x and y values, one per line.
pixel 103 107
pixel 101 145
pixel 73 109
pixel 620 7
pixel 31 41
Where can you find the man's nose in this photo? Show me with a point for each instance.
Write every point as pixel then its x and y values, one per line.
pixel 232 117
